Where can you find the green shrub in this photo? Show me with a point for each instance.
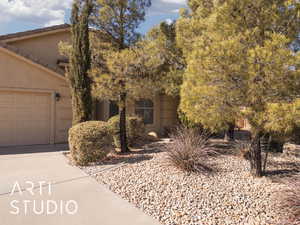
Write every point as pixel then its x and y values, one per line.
pixel 89 142
pixel 135 129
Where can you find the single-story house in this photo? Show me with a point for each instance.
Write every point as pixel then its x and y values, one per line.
pixel 35 101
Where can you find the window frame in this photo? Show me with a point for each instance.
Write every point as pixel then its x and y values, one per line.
pixel 145 107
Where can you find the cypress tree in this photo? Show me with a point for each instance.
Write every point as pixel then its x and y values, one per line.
pixel 79 81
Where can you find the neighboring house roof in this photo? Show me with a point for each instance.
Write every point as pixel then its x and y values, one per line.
pixel 18 52
pixel 41 31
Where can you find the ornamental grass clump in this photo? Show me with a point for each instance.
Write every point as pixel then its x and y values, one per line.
pixel 290 202
pixel 190 151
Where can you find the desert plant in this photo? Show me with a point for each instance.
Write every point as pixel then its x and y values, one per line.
pixel 89 142
pixel 190 151
pixel 135 129
pixel 290 202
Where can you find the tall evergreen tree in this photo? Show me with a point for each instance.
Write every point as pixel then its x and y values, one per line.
pixel 79 81
pixel 240 64
pixel 118 21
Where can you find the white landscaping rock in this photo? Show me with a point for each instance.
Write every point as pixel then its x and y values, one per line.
pixel 229 196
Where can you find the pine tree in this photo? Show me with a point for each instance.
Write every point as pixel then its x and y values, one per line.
pixel 79 81
pixel 168 63
pixel 240 63
pixel 118 21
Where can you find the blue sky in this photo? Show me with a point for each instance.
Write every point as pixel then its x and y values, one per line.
pixel 21 15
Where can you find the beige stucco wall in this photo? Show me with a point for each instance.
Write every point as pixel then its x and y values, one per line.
pixel 165 113
pixel 168 112
pixel 156 126
pixel 18 74
pixel 44 47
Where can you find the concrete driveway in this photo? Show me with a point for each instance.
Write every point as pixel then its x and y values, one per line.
pixel 72 197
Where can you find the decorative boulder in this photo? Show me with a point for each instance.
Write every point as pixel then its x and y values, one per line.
pixel 89 142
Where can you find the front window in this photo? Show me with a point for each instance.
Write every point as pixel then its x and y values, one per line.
pixel 145 109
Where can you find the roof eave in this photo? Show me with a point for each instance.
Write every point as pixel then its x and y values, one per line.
pixel 34 33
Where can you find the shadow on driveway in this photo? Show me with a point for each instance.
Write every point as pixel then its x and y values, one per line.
pixel 15 150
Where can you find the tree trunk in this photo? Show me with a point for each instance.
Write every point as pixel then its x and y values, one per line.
pixel 265 142
pixel 229 134
pixel 123 133
pixel 255 156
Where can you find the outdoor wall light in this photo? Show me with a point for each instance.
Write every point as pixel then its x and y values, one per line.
pixel 57 97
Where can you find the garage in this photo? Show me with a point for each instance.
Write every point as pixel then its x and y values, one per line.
pixel 25 118
pixel 35 99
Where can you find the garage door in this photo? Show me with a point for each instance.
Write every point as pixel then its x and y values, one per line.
pixel 25 118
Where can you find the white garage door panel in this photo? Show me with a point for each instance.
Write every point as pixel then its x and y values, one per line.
pixel 25 118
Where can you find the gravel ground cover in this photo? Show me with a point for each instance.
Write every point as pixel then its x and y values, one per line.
pixel 228 196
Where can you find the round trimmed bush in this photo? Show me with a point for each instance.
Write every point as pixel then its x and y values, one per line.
pixel 89 142
pixel 134 126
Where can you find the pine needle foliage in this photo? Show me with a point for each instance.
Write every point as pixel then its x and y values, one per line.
pixel 117 22
pixel 239 63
